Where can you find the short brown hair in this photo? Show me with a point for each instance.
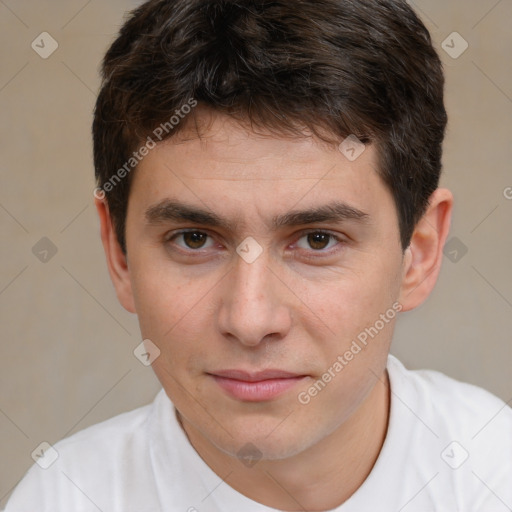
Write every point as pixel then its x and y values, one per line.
pixel 361 67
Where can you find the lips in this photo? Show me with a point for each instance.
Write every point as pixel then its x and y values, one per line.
pixel 256 386
pixel 255 376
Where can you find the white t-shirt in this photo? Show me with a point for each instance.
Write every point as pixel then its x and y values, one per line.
pixel 448 448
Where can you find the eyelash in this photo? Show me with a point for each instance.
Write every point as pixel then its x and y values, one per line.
pixel 317 253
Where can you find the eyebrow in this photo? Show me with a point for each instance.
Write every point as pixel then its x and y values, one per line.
pixel 168 211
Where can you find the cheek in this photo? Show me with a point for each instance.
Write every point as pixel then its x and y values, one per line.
pixel 177 313
pixel 351 301
pixel 357 345
pixel 170 307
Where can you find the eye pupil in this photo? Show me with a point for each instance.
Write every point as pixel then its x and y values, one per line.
pixel 194 239
pixel 318 241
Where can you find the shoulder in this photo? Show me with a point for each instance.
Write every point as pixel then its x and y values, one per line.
pixel 104 444
pixel 108 433
pixel 90 464
pixel 461 431
pixel 445 397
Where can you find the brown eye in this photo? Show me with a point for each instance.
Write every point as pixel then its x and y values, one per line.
pixel 194 239
pixel 191 243
pixel 321 242
pixel 318 241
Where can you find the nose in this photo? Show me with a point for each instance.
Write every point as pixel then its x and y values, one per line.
pixel 254 306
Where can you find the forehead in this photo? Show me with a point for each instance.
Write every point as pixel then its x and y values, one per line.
pixel 240 174
pixel 216 147
pixel 233 179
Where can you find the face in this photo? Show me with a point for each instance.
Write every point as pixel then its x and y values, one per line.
pixel 255 262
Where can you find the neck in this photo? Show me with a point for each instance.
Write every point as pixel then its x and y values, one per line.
pixel 320 478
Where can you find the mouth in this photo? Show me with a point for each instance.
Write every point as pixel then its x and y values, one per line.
pixel 256 386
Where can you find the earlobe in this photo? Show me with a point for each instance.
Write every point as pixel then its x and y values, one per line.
pixel 116 260
pixel 423 257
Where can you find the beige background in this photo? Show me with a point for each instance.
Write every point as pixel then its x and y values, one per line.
pixel 67 344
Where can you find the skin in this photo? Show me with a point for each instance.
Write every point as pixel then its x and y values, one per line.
pixel 297 307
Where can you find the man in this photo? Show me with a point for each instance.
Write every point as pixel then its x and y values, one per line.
pixel 268 196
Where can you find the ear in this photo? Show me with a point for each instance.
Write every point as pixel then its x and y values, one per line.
pixel 423 257
pixel 116 260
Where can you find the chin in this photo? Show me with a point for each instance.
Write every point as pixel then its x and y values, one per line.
pixel 280 445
